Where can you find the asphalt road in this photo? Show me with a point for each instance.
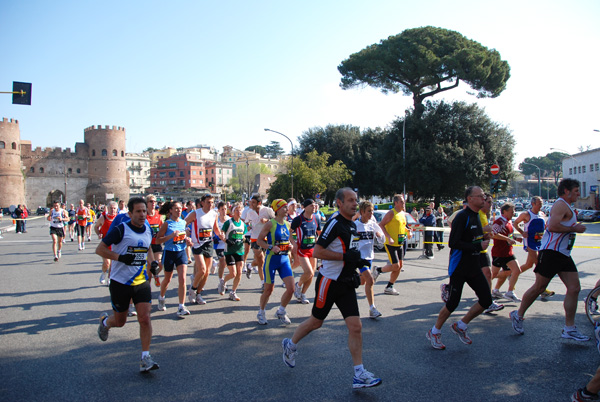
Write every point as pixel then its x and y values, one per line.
pixel 50 351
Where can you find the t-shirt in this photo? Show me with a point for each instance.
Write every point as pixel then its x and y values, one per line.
pixel 255 220
pixel 339 234
pixel 502 248
pixel 366 233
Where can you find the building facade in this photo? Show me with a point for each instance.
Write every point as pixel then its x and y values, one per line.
pixel 585 167
pixel 138 169
pixel 178 172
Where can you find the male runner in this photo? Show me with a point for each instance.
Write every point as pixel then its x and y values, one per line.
pixel 72 220
pixel 336 282
pixel 555 259
pixel 57 218
pixel 307 227
pixel 258 215
pixel 82 215
pixel 504 263
pixel 130 252
pixel 155 221
pixel 396 232
pixel 466 243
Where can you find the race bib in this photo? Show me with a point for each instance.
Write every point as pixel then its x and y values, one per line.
pixel 179 239
pixel 309 241
pixel 204 234
pixel 571 241
pixel 401 238
pixel 284 247
pixel 140 254
pixel 155 229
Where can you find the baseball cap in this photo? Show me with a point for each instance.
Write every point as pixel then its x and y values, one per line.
pixel 307 202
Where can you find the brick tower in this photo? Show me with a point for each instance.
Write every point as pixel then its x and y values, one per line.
pixel 107 169
pixel 11 176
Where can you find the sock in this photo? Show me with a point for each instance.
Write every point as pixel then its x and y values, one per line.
pixel 461 325
pixel 390 285
pixel 572 328
pixel 292 345
pixel 281 309
pixel 261 311
pixel 435 331
pixel 145 353
pixel 379 270
pixel 194 289
pixel 372 306
pixel 161 297
pixel 358 369
pixel 496 290
pixel 181 305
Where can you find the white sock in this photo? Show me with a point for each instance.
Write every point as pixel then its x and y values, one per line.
pixel 145 353
pixel 462 325
pixel 358 369
pixel 281 309
pixel 261 311
pixel 572 328
pixel 372 306
pixel 181 305
pixel 435 331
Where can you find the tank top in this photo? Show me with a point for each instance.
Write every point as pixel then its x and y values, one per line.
pixel 279 236
pixel 484 222
pixel 396 228
pixel 56 222
pixel 108 219
pixel 154 221
pixel 178 242
pixel 535 231
pixel 202 226
pixel 561 242
pixel 81 216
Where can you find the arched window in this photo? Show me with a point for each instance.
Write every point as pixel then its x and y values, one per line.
pixel 2 145
pixel 104 152
pixel 41 170
pixel 14 145
pixel 93 152
pixel 32 169
pixel 78 170
pixel 70 170
pixel 122 154
pixel 114 152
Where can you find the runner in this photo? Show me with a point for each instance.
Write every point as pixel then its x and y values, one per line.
pixel 90 221
pixel 502 253
pixel 101 228
pixel 172 234
pixel 396 232
pixel 82 214
pixel 368 229
pixel 129 278
pixel 555 259
pixel 220 247
pixel 291 215
pixel 234 230
pixel 57 217
pixel 204 221
pixel 278 244
pixel 63 206
pixel 258 215
pixel 466 242
pixel 155 221
pixel 72 220
pixel 248 266
pixel 337 247
pixel 307 228
pixel 532 232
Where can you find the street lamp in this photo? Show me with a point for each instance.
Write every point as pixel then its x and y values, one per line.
pixel 539 174
pixel 292 174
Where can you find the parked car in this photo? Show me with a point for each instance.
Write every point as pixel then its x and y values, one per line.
pixel 42 211
pixel 413 242
pixel 587 215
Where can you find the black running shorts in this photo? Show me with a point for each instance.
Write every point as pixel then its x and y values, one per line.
pixel 120 295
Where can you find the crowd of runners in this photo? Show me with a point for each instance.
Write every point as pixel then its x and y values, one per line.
pixel 144 242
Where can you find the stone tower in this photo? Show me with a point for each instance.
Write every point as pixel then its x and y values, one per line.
pixel 11 176
pixel 107 169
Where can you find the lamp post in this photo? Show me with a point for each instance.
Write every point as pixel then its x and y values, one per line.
pixel 292 144
pixel 539 175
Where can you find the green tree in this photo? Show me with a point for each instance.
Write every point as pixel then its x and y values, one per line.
pixel 449 147
pixel 245 175
pixel 274 149
pixel 424 62
pixel 259 149
pixel 550 165
pixel 313 174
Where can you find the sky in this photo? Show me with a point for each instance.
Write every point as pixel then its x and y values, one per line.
pixel 183 73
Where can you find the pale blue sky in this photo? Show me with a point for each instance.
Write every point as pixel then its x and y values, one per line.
pixel 182 73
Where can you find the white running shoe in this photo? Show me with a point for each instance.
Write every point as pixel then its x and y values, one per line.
pixel 102 279
pixel 512 296
pixel 282 316
pixel 262 319
pixel 517 322
pixel 161 304
pixel 374 313
pixel 221 287
pixel 148 364
pixel 297 292
pixel 391 291
pixel 304 299
pixel 375 274
pixel 132 312
pixel 182 312
pixel 248 271
pixel 494 307
pixel 365 380
pixel 575 335
pixel 289 354
pixel 199 299
pixel 192 296
pixel 496 294
pixel 233 296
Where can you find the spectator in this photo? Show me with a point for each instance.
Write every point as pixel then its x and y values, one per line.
pixel 428 219
pixel 440 215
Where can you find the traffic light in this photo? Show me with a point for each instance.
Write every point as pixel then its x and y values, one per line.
pixel 496 185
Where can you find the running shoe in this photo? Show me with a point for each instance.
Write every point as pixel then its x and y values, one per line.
pixel 182 311
pixel 496 294
pixel 72 239
pixel 462 334
pixel 161 304
pixel 89 238
pixel 233 296
pixel 83 246
pixel 262 319
pixel 221 287
pixel 374 313
pixel 283 317
pixel 148 364
pixel 436 340
pixel 512 296
pixel 102 279
pixel 546 294
pixel 304 299
pixel 192 296
pixel 248 271
pixel 391 291
pixel 597 335
pixel 580 396
pixel 517 322
pixel 375 274
pixel 255 270
pixel 289 354
pixel 575 335
pixel 55 258
pixel 297 292
pixel 365 380
pixel 59 253
pixel 200 300
pixel 131 311
pixel 494 307
pixel 80 248
pixel 157 281
pixel 444 288
pixel 102 329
